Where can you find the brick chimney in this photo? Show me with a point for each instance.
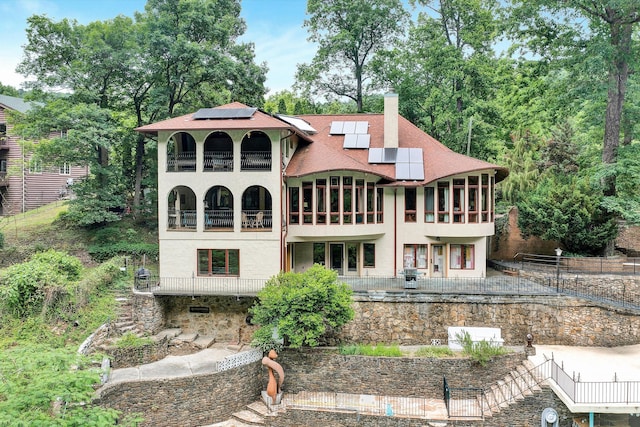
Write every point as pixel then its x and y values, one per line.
pixel 391 120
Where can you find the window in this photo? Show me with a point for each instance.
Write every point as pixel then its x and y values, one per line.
pixel 307 202
pixel 223 262
pixel 318 253
pixel 35 167
pixel 294 205
pixel 3 165
pixel 347 197
pixel 334 199
pixel 409 205
pixel 352 257
pixel 473 199
pixel 443 202
pixel 462 257
pixel 65 169
pixel 429 203
pixel 458 200
pixel 380 205
pixel 359 201
pixel 321 206
pixel 369 254
pixel 3 132
pixel 370 203
pixel 484 198
pixel 415 256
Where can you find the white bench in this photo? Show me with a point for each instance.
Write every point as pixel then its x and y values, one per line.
pixel 477 334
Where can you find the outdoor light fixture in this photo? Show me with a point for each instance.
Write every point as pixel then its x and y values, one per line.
pixel 558 254
pixel 529 340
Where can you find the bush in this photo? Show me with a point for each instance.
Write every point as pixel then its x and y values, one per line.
pixel 62 263
pixel 434 351
pixel 131 340
pixel 102 252
pixel 1 240
pixel 379 350
pixel 480 351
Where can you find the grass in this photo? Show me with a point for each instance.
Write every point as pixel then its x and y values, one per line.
pixel 434 351
pixel 378 350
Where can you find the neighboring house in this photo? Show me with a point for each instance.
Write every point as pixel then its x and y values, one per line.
pixel 24 184
pixel 244 195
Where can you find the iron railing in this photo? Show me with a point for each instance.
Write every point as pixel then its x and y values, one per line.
pixel 577 265
pixel 218 161
pixel 255 160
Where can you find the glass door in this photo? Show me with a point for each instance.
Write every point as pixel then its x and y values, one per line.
pixel 336 254
pixel 437 261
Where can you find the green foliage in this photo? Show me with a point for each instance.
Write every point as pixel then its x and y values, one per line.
pixel 103 252
pixel 434 351
pixel 480 351
pixel 33 377
pixel 568 213
pixel 131 340
pixel 1 240
pixel 379 350
pixel 300 308
pixel 68 266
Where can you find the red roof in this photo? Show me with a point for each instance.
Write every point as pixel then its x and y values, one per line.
pixel 323 152
pixel 326 152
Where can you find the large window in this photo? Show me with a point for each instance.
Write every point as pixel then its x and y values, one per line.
pixel 360 201
pixel 415 256
pixel 369 254
pixel 485 197
pixel 319 253
pixel 458 200
pixel 429 204
pixel 409 205
pixel 380 205
pixel 321 206
pixel 307 202
pixel 462 257
pixel 473 199
pixel 443 202
pixel 347 197
pixel 213 262
pixel 294 205
pixel 334 199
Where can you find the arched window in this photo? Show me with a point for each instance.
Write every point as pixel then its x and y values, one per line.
pixel 218 153
pixel 181 209
pixel 181 152
pixel 256 208
pixel 256 151
pixel 218 209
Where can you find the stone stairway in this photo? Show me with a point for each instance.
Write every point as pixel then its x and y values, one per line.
pixel 254 415
pixel 514 387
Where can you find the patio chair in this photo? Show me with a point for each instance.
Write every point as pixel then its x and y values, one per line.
pixel 246 223
pixel 259 221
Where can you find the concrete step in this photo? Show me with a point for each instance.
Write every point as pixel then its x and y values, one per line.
pixel 169 333
pixel 259 408
pixel 249 417
pixel 184 338
pixel 204 341
pixel 527 376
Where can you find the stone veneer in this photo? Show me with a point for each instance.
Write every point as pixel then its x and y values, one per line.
pixel 186 401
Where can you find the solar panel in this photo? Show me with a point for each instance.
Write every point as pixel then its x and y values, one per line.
pixel 354 140
pixel 389 155
pixel 375 155
pixel 223 113
pixel 410 164
pixel 345 128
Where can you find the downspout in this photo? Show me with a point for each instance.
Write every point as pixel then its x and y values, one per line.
pixel 395 231
pixel 284 209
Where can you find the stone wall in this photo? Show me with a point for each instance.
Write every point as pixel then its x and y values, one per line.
pixel 419 318
pixel 148 312
pixel 526 413
pixel 226 320
pixel 186 401
pixel 133 356
pixel 327 371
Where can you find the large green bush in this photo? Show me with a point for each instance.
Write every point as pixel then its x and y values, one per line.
pixel 300 308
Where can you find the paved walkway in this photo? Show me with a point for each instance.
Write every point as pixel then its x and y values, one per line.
pixel 594 363
pixel 202 362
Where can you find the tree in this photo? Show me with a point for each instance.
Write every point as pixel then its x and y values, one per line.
pixel 557 30
pixel 444 72
pixel 300 308
pixel 348 33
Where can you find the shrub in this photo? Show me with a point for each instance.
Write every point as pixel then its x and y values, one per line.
pixel 102 252
pixel 480 351
pixel 131 340
pixel 1 240
pixel 62 263
pixel 379 350
pixel 434 351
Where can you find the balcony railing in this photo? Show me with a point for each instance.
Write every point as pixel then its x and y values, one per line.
pixel 181 162
pixel 255 160
pixel 182 219
pixel 218 219
pixel 257 219
pixel 218 161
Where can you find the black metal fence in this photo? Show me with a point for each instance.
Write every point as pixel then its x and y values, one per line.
pixel 578 265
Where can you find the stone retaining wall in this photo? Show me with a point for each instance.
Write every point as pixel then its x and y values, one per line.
pixel 186 401
pixel 133 356
pixel 526 413
pixel 327 371
pixel 419 318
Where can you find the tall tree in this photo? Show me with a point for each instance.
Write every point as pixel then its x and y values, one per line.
pixel 445 69
pixel 571 28
pixel 348 34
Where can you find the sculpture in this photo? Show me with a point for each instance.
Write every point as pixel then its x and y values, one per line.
pixel 274 388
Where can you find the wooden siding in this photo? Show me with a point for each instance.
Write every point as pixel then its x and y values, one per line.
pixel 26 190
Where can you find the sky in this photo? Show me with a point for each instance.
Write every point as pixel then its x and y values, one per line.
pixel 274 26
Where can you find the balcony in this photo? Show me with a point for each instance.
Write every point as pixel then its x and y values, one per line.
pixel 255 160
pixel 181 162
pixel 256 220
pixel 218 161
pixel 218 220
pixel 182 220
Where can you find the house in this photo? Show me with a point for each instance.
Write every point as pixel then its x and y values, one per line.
pixel 244 195
pixel 25 184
